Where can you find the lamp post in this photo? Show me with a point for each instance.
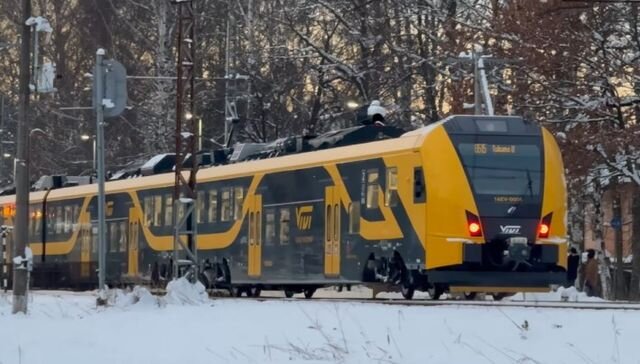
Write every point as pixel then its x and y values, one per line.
pixel 85 138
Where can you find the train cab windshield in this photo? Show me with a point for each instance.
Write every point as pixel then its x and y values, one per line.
pixel 503 170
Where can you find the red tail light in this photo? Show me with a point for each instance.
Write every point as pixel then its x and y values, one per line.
pixel 474 228
pixel 545 227
pixel 473 224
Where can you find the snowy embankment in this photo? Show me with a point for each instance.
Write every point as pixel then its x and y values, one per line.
pixel 187 327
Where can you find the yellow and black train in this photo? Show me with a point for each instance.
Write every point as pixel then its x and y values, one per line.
pixel 469 203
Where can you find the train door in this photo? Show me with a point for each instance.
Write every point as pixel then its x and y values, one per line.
pixel 133 248
pixel 332 232
pixel 255 236
pixel 85 245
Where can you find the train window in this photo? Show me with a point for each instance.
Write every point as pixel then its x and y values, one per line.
pixel 59 222
pixel 180 209
pixel 328 223
pixel 285 217
pixel 213 205
pixel 75 223
pixel 491 126
pixel 270 227
pixel 123 236
pixel 148 210
pixel 38 222
pixel 113 237
pixel 168 210
pixel 419 189
pixel 372 189
pixel 31 220
pixel 67 218
pixel 391 192
pixel 239 197
pixel 200 210
pixel 93 230
pixel 225 205
pixel 354 217
pixel 336 223
pixel 157 210
pixel 259 227
pixel 51 220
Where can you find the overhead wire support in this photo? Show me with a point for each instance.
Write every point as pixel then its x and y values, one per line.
pixel 186 167
pixel 483 105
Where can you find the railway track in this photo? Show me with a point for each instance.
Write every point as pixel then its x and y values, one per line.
pixel 330 296
pixel 452 302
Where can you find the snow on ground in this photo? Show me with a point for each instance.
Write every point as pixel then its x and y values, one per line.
pixel 570 294
pixel 68 328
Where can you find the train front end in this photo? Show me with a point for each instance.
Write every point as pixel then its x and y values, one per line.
pixel 496 206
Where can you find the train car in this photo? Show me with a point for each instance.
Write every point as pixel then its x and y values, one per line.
pixel 470 203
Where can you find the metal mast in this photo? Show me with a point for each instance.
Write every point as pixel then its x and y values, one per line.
pixel 236 85
pixel 482 96
pixel 2 133
pixel 21 229
pixel 184 193
pixel 481 85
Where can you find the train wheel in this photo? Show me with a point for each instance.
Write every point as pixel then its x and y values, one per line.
pixel 288 293
pixel 254 291
pixel 308 292
pixel 435 291
pixel 407 291
pixel 469 295
pixel 236 291
pixel 499 296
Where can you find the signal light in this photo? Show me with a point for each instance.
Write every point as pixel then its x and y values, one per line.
pixel 545 227
pixel 473 224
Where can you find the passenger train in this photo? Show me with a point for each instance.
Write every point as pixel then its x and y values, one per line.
pixel 467 204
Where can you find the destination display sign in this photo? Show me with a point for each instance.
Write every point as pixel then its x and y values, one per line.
pixel 494 148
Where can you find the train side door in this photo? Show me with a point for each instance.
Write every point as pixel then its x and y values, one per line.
pixel 85 247
pixel 133 248
pixel 255 236
pixel 332 232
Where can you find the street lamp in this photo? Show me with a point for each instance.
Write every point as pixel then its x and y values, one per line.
pixel 352 104
pixel 86 138
pixel 38 130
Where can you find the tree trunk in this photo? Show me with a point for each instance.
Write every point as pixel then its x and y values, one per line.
pixel 620 286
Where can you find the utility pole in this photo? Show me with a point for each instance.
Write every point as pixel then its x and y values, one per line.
pixel 109 100
pixel 184 191
pixel 20 273
pixel 99 108
pixel 2 132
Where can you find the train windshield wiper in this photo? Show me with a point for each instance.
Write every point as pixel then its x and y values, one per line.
pixel 529 183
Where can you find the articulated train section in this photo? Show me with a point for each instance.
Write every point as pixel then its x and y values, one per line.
pixel 468 204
